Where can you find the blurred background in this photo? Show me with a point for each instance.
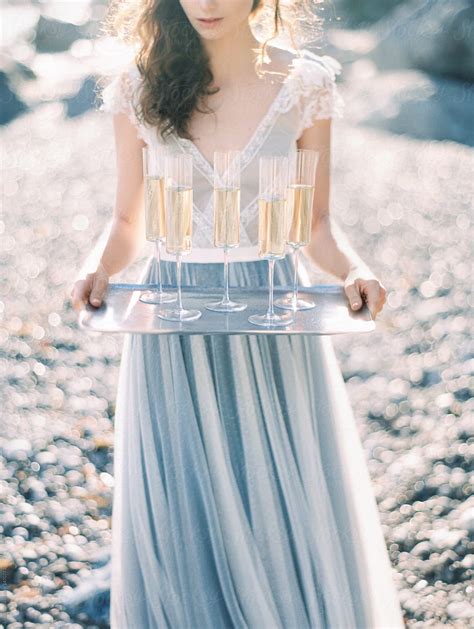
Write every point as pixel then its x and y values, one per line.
pixel 402 191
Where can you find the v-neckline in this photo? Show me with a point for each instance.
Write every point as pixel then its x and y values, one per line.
pixel 206 166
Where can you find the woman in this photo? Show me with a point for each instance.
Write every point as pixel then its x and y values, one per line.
pixel 242 497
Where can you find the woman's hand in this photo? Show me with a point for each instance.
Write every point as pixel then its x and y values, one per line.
pixel 361 285
pixel 92 289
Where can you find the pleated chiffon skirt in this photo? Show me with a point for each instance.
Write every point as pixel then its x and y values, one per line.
pixel 242 496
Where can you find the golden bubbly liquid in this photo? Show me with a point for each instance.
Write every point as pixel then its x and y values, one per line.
pixel 300 204
pixel 272 228
pixel 155 208
pixel 179 216
pixel 226 217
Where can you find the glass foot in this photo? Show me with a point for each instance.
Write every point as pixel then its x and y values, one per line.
pixel 289 303
pixel 155 297
pixel 179 315
pixel 271 320
pixel 226 306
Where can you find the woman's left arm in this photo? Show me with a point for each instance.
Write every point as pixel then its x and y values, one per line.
pixel 329 247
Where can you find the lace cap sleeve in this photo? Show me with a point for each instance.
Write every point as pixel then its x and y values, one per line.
pixel 120 95
pixel 312 87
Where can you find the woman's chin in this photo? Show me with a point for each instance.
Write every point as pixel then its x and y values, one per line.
pixel 211 35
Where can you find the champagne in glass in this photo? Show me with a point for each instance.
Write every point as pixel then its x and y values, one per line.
pixel 179 217
pixel 302 166
pixel 179 231
pixel 153 173
pixel 300 198
pixel 155 207
pixel 226 218
pixel 272 227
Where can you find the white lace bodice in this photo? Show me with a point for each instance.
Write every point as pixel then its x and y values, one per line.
pixel 309 92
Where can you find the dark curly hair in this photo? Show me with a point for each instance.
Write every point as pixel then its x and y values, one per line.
pixel 171 58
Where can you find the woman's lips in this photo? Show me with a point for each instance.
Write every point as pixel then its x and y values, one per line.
pixel 210 22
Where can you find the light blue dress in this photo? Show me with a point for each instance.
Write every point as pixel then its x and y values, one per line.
pixel 242 496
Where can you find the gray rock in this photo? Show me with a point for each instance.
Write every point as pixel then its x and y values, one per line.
pixel 434 35
pixel 84 100
pixel 413 103
pixel 54 35
pixel 361 12
pixel 12 105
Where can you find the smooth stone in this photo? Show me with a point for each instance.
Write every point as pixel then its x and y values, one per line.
pixel 422 549
pixel 459 610
pixel 73 552
pixel 466 520
pixel 17 449
pixel 446 538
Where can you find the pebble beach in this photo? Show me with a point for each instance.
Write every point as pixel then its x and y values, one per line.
pixel 405 204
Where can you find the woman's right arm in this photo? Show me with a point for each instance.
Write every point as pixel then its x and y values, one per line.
pixel 127 232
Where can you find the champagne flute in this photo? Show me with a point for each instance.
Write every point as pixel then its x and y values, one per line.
pixel 153 173
pixel 179 217
pixel 226 218
pixel 272 227
pixel 302 167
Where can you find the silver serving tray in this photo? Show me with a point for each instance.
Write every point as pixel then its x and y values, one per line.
pixel 122 311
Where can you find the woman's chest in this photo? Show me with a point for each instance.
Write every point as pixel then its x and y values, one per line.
pixel 235 117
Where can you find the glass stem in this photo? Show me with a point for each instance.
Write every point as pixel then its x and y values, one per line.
pixel 178 280
pixel 271 268
pixel 158 259
pixel 226 276
pixel 295 276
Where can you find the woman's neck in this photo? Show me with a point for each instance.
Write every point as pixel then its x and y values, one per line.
pixel 232 57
